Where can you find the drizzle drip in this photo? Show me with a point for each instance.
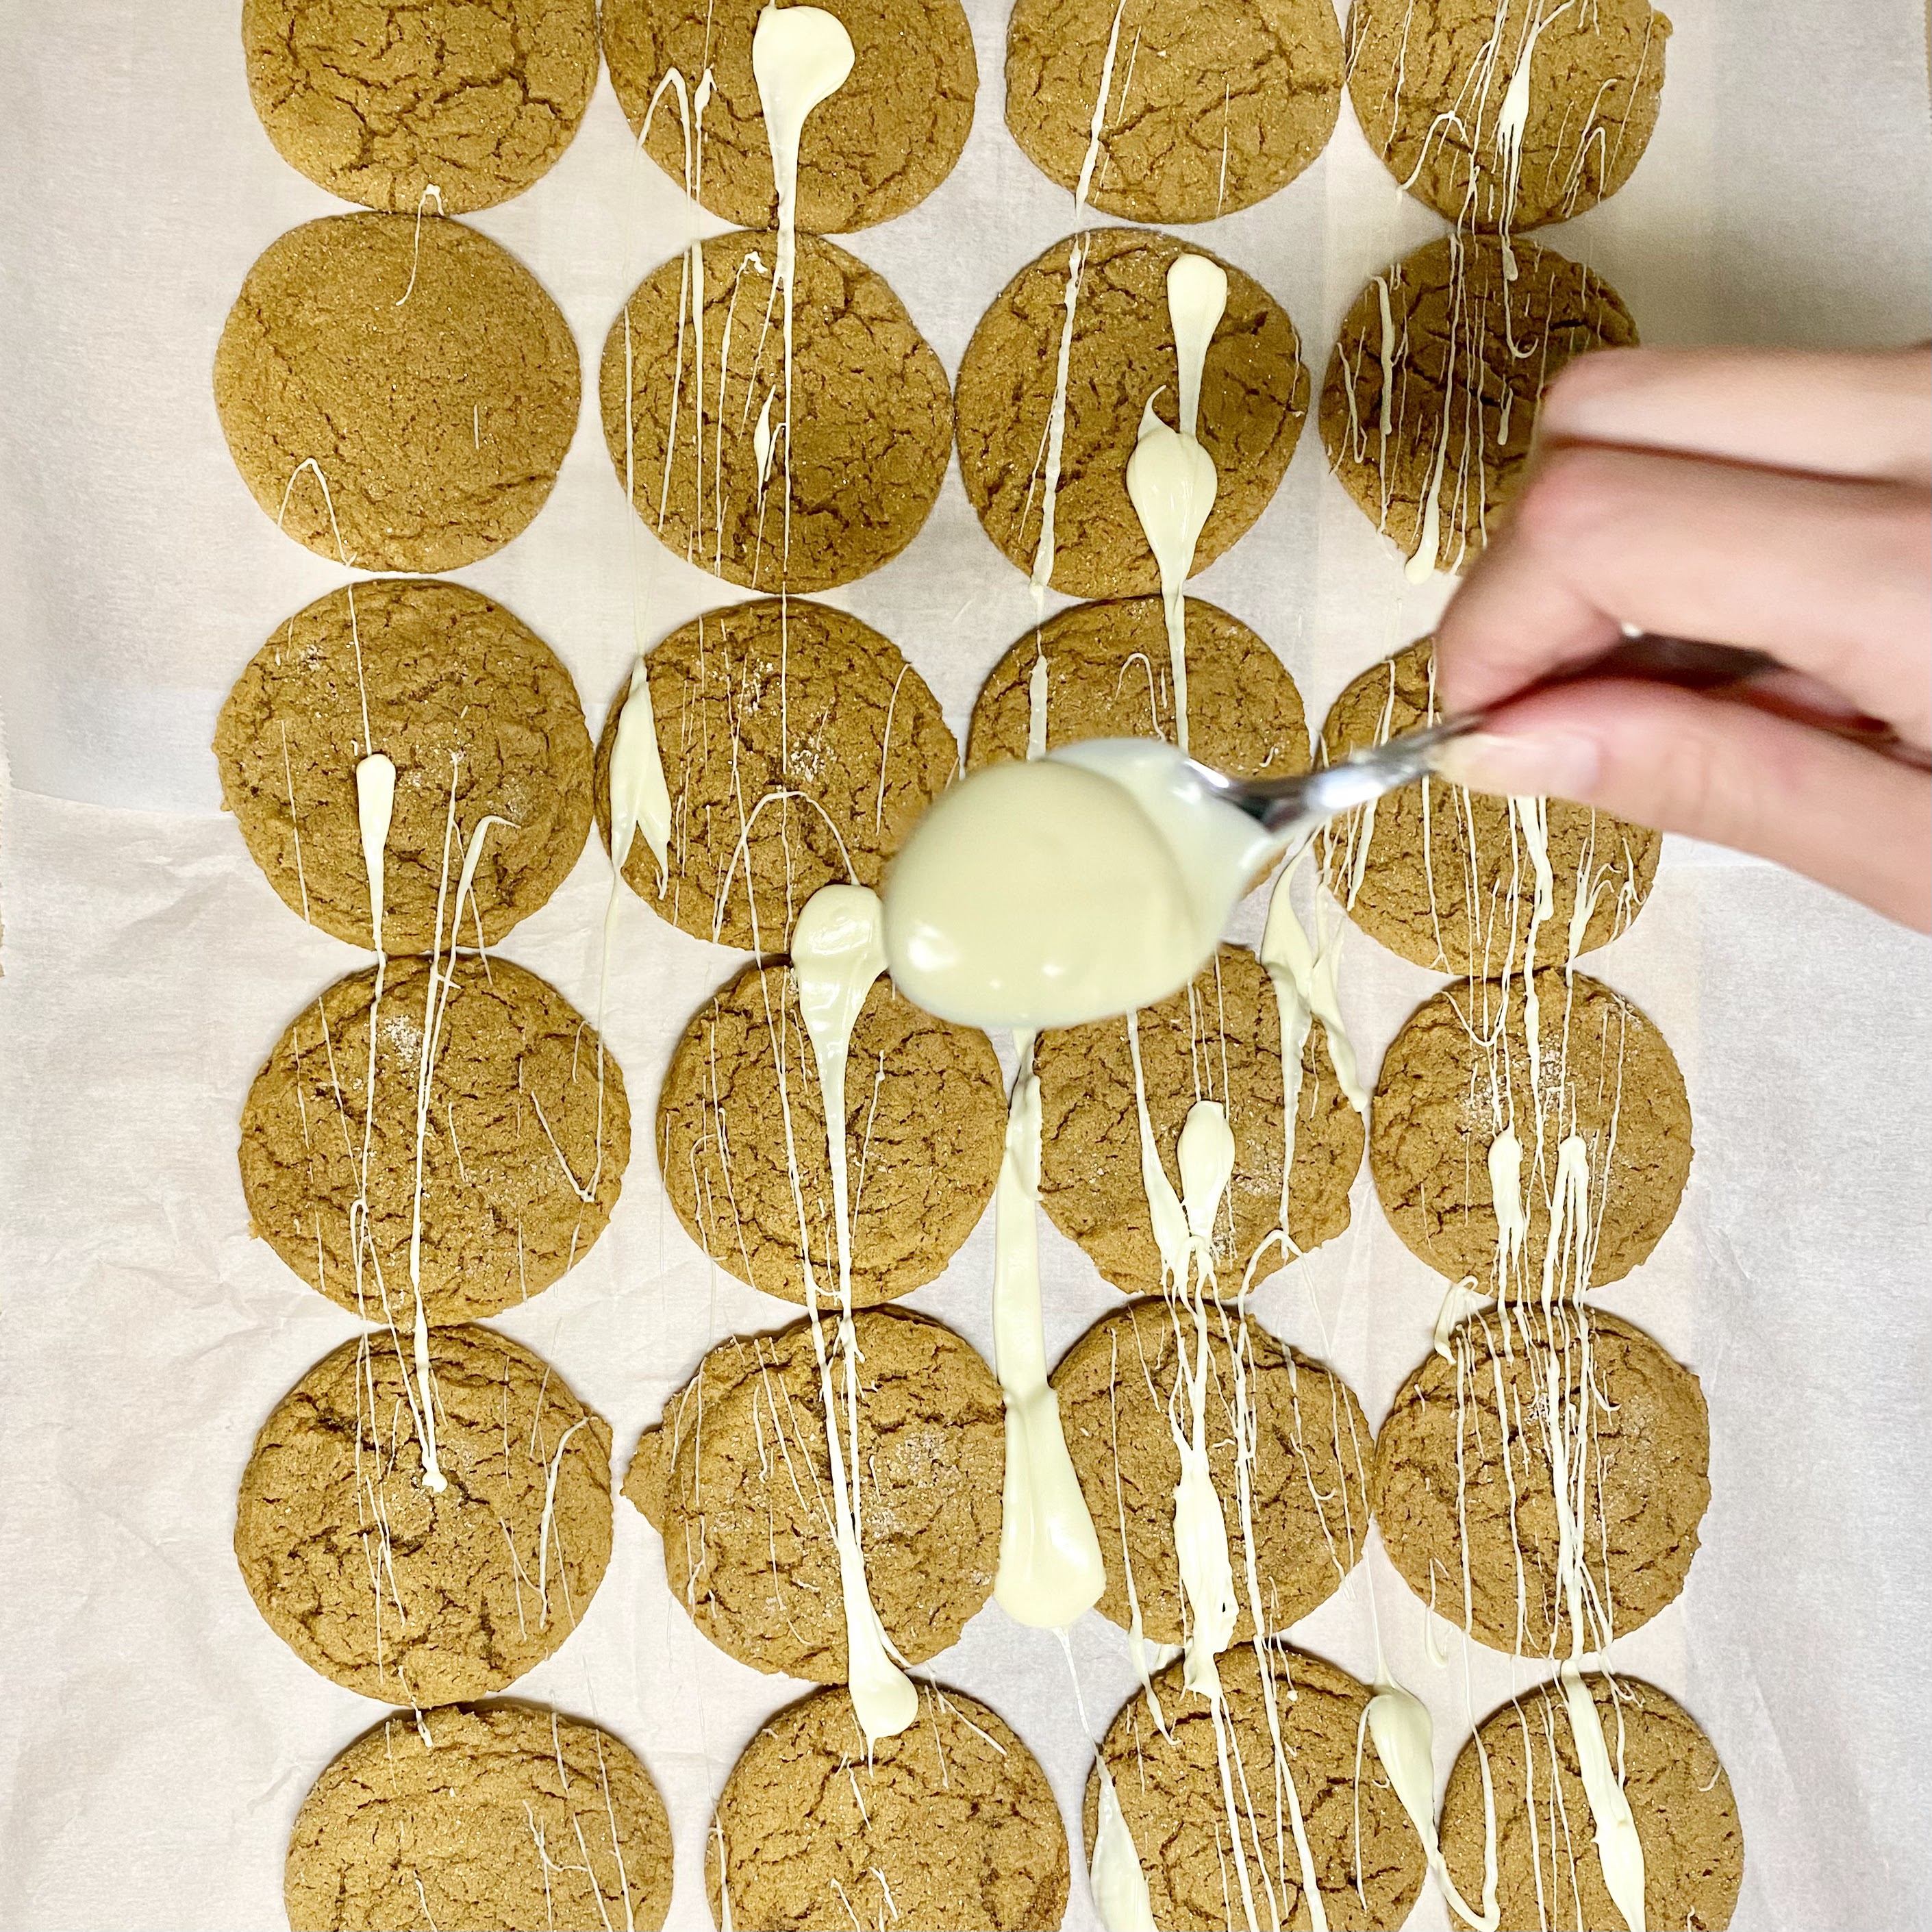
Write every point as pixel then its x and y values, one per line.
pixel 837 953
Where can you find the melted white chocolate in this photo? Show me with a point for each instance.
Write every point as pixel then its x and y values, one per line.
pixel 375 806
pixel 1050 1565
pixel 1069 888
pixel 1119 1886
pixel 639 798
pixel 836 955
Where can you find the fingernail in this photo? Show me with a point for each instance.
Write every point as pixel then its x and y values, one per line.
pixel 1527 763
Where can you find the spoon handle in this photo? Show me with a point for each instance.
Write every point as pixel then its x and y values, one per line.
pixel 1286 806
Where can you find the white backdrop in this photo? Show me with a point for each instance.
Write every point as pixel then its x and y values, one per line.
pixel 155 1739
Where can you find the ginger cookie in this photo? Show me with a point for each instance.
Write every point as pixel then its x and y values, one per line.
pixel 1427 416
pixel 1321 1786
pixel 1219 1039
pixel 951 1822
pixel 1254 393
pixel 459 103
pixel 742 1140
pixel 1109 676
pixel 397 394
pixel 1534 1140
pixel 420 1539
pixel 1123 1389
pixel 507 1150
pixel 506 1817
pixel 1549 1873
pixel 1179 140
pixel 877 146
pixel 1452 879
pixel 799 749
pixel 1440 88
pixel 696 421
pixel 1468 1461
pixel 736 1481
pixel 481 722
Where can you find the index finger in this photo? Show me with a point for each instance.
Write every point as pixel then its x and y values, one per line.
pixel 1827 575
pixel 1855 414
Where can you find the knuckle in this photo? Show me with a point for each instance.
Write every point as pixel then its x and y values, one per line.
pixel 1589 388
pixel 1567 496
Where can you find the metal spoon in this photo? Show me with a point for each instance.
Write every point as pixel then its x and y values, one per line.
pixel 1286 806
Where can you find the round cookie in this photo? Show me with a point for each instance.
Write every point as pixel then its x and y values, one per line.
pixel 1195 145
pixel 952 1820
pixel 1433 85
pixel 925 1124
pixel 1546 1856
pixel 507 1816
pixel 1430 432
pixel 699 441
pixel 1360 1844
pixel 1254 393
pixel 1464 1485
pixel 470 101
pixel 735 1479
pixel 397 394
pixel 1307 1482
pixel 1449 877
pixel 1218 1039
pixel 461 698
pixel 1592 1094
pixel 391 1586
pixel 877 146
pixel 1108 676
pixel 799 749
pixel 524 1135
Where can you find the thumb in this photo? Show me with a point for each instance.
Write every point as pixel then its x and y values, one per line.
pixel 1847 815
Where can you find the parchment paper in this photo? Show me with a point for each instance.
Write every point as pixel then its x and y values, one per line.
pixel 155 1738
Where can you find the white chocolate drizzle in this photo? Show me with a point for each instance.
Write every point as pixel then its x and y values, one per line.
pixel 1050 1565
pixel 1171 478
pixel 837 953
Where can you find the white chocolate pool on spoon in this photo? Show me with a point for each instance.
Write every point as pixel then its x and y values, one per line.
pixel 1070 888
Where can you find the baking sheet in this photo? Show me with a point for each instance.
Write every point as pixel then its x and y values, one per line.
pixel 155 1738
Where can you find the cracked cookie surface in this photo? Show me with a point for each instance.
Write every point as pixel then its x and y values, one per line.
pixel 1254 395
pixel 799 749
pixel 1218 1039
pixel 735 1479
pixel 876 147
pixel 1308 1483
pixel 1213 104
pixel 1465 1470
pixel 1449 878
pixel 1547 1857
pixel 417 1596
pixel 1432 82
pixel 744 1153
pixel 1360 1844
pixel 510 1817
pixel 871 415
pixel 1601 1123
pixel 380 104
pixel 419 367
pixel 1427 421
pixel 468 704
pixel 525 1133
pixel 1109 676
pixel 952 1820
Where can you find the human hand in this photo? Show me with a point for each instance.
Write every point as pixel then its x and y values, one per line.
pixel 1781 501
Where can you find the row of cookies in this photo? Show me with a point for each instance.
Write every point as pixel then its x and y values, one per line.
pixel 424 1520
pixel 399 394
pixel 1494 117
pixel 799 748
